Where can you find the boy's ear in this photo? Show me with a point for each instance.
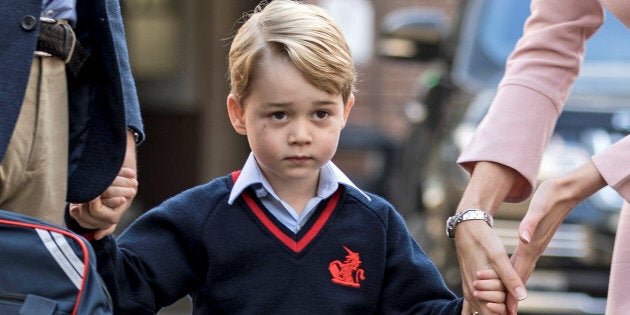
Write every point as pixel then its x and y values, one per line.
pixel 347 108
pixel 235 111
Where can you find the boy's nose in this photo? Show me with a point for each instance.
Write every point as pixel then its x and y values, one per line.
pixel 300 133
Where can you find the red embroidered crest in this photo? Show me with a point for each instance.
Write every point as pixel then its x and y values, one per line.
pixel 347 272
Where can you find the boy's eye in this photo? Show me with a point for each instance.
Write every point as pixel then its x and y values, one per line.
pixel 321 114
pixel 278 115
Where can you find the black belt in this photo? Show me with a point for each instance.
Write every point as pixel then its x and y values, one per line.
pixel 57 39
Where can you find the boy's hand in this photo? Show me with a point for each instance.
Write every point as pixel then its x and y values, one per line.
pixel 489 288
pixel 104 212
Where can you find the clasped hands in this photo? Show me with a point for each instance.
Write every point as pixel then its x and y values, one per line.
pixel 479 248
pixel 105 211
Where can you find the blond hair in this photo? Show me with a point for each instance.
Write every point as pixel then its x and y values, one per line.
pixel 302 33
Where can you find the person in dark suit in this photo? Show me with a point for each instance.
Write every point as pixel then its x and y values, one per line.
pixel 69 113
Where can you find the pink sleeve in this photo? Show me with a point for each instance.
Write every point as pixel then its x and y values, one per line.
pixel 539 75
pixel 613 164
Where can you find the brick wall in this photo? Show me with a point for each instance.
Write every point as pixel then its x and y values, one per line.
pixel 387 85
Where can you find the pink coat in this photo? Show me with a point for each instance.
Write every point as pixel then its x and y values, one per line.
pixel 537 81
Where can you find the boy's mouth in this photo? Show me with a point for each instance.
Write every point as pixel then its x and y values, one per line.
pixel 298 159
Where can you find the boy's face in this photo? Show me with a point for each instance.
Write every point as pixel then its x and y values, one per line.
pixel 292 126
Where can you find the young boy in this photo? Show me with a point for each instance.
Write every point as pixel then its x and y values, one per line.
pixel 289 233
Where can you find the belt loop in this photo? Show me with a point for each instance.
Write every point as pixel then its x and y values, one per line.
pixel 69 31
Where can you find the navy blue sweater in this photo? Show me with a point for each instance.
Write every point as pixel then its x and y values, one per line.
pixel 353 257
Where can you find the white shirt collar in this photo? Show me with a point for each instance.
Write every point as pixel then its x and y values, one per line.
pixel 330 178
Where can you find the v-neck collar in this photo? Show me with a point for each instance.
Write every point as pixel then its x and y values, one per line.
pixel 295 242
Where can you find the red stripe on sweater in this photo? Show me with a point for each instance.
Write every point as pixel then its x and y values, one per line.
pixel 286 239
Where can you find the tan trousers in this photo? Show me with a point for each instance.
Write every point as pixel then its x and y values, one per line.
pixel 33 173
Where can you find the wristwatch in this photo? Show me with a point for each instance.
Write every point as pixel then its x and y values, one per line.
pixel 470 214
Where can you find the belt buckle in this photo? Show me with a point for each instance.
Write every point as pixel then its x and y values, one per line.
pixel 50 21
pixel 69 40
pixel 46 19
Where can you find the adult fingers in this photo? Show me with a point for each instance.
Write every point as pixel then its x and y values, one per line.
pixel 499 261
pixel 528 224
pixel 475 243
pixel 509 277
pixel 127 172
pixel 121 187
pixel 511 304
pixel 524 261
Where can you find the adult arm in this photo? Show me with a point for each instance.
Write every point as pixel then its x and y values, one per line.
pixel 555 198
pixel 538 78
pixel 612 163
pixel 550 205
pixel 478 246
pixel 103 213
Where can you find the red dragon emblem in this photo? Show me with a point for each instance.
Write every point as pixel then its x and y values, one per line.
pixel 347 272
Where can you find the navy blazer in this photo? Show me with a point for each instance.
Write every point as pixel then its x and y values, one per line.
pixel 102 98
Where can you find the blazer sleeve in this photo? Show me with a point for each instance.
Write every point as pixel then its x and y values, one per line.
pixel 613 164
pixel 539 75
pixel 128 86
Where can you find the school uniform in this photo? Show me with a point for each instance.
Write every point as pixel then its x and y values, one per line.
pixel 353 255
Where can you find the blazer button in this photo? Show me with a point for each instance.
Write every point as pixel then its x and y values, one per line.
pixel 28 23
